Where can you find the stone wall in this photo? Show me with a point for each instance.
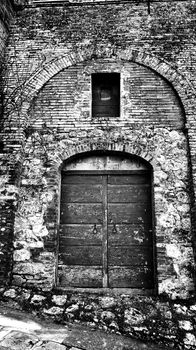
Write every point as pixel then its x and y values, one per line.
pixel 37 216
pixel 166 324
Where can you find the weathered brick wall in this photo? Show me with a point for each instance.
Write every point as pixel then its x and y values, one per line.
pixel 51 54
pixel 155 55
pixel 146 99
pixel 5 16
pixel 6 204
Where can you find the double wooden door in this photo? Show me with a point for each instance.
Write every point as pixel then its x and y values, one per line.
pixel 105 236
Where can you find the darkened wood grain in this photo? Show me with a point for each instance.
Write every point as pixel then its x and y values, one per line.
pixel 128 193
pixel 129 179
pixel 129 255
pixel 81 179
pixel 130 277
pixel 128 213
pixel 78 234
pixel 76 213
pixel 126 234
pixel 105 234
pixel 84 193
pixel 80 255
pixel 80 276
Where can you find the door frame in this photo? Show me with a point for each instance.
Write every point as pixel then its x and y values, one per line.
pixel 107 290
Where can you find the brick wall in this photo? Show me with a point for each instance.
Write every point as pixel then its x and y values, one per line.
pixel 145 98
pixel 6 13
pixel 6 205
pixel 5 16
pixel 55 51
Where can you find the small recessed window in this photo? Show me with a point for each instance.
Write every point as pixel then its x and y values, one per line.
pixel 105 95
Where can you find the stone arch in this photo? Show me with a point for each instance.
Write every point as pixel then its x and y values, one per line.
pixel 40 77
pixel 129 148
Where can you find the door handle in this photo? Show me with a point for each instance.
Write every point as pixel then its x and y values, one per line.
pixel 95 229
pixel 114 229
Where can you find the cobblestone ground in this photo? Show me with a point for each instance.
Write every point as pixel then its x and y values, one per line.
pixel 19 331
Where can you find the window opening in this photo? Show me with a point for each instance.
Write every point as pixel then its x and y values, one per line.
pixel 105 95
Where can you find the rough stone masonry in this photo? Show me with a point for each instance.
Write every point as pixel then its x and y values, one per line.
pixel 50 51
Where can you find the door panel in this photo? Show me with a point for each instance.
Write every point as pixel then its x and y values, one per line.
pixel 127 193
pixel 81 179
pixel 81 213
pixel 130 252
pixel 80 255
pixel 129 179
pixel 128 234
pixel 81 193
pixel 130 277
pixel 78 234
pixel 80 276
pixel 128 213
pixel 128 255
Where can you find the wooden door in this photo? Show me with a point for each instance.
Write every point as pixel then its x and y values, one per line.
pixel 106 230
pixel 80 240
pixel 130 254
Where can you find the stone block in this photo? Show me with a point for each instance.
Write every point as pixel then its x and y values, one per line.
pixel 59 300
pixel 54 311
pixel 107 302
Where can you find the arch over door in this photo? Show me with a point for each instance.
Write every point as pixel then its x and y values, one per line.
pixel 105 238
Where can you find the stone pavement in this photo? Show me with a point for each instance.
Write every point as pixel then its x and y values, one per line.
pixel 20 331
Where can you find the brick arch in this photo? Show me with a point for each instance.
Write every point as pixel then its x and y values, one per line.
pixel 126 148
pixel 40 77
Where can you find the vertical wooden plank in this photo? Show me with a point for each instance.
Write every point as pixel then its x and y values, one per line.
pixel 105 234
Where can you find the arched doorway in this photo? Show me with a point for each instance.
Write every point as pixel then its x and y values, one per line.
pixel 105 235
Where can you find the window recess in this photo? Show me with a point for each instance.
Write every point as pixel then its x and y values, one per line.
pixel 105 95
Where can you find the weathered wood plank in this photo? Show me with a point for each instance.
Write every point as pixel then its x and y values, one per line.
pixel 126 234
pixel 79 234
pixel 80 255
pixel 129 179
pixel 129 193
pixel 130 277
pixel 119 213
pixel 68 241
pixel 129 255
pixel 76 213
pixel 105 234
pixel 84 193
pixel 81 179
pixel 80 276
